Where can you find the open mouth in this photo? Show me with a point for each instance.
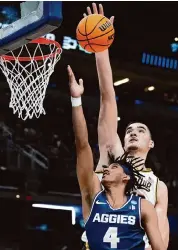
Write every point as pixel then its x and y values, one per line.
pixel 105 173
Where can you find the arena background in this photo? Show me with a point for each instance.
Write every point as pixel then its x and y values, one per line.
pixel 37 157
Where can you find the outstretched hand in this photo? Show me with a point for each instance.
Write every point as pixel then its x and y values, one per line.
pixel 76 89
pixel 96 10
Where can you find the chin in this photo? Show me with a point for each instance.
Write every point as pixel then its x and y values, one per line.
pixel 132 147
pixel 105 180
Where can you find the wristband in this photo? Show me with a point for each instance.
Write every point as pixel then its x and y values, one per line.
pixel 76 101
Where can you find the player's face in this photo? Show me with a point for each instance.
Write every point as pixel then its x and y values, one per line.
pixel 137 137
pixel 113 174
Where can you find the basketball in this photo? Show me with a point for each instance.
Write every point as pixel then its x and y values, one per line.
pixel 95 33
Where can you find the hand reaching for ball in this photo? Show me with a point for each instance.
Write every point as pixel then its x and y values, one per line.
pixel 95 11
pixel 95 32
pixel 76 89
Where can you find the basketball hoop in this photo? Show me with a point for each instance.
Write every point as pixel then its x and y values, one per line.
pixel 28 76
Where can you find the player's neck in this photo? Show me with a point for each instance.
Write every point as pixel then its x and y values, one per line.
pixel 116 196
pixel 139 154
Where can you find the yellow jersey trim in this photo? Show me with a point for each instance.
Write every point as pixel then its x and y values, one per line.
pixel 87 246
pixel 146 170
pixel 156 190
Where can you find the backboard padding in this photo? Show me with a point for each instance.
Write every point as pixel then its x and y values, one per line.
pixel 37 19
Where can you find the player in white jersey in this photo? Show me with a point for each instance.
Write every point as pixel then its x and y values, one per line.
pixel 150 183
pixel 137 139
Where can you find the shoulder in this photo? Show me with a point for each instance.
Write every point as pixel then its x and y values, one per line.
pixel 162 185
pixel 145 204
pixel 147 208
pixel 162 196
pixel 162 189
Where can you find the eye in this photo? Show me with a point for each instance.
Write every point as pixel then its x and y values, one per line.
pixel 114 166
pixel 141 131
pixel 129 131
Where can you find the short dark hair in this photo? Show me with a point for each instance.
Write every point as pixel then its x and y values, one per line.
pixel 130 123
pixel 129 165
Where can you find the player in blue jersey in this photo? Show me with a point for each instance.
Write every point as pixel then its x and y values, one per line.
pixel 113 218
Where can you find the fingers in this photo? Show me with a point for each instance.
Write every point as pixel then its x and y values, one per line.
pixel 70 74
pixel 112 19
pixel 101 10
pixel 81 82
pixel 95 10
pixel 89 11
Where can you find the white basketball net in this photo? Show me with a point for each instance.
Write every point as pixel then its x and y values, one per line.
pixel 28 80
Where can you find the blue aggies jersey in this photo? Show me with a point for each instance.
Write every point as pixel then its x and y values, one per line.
pixel 109 228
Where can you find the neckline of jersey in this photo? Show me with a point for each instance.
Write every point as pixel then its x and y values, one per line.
pixel 128 200
pixel 146 170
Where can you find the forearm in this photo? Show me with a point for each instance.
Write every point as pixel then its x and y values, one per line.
pixel 163 228
pixel 107 124
pixel 79 126
pixel 104 74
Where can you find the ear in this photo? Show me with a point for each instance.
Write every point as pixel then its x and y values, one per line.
pixel 152 144
pixel 126 177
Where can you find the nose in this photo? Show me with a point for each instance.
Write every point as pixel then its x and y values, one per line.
pixel 106 171
pixel 133 133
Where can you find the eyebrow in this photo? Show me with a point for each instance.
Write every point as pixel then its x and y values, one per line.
pixel 115 163
pixel 137 127
pixel 142 127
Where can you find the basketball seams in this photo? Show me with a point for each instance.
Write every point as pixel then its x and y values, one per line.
pixel 87 35
pixel 95 36
pixel 80 33
pixel 88 44
pixel 100 44
pixel 96 40
pixel 92 29
pixel 95 26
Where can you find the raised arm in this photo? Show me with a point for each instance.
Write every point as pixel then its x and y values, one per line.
pixel 107 123
pixel 161 210
pixel 88 181
pixel 150 224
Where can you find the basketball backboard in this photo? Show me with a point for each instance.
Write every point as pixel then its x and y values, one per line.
pixel 37 19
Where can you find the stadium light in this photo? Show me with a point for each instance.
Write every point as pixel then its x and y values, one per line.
pixel 150 88
pixel 125 80
pixel 176 39
pixel 57 207
pixel 118 118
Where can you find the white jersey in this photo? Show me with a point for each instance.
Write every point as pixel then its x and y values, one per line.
pixel 149 191
pixel 149 183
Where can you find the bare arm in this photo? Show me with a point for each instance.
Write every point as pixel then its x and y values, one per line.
pixel 107 123
pixel 108 111
pixel 150 224
pixel 88 181
pixel 161 210
pixel 85 165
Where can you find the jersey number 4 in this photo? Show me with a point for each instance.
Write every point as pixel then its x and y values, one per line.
pixel 111 237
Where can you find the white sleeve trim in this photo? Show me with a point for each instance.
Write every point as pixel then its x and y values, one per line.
pixel 140 215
